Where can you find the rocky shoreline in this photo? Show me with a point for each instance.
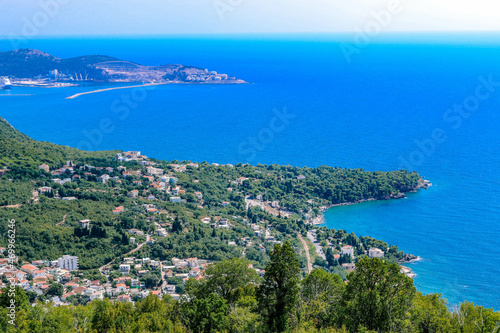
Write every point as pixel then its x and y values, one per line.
pixel 409 258
pixel 407 271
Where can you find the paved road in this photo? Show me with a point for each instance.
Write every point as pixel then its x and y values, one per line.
pixel 319 250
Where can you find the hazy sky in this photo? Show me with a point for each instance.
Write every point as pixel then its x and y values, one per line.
pixel 77 17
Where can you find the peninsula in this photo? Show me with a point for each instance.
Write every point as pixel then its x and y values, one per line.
pixel 28 67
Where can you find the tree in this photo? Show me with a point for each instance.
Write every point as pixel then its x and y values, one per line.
pixel 321 295
pixel 151 280
pixel 430 314
pixel 474 318
pixel 207 315
pixel 177 225
pixel 320 283
pixel 227 279
pixel 279 293
pixel 17 295
pixel 318 261
pixel 55 289
pixel 377 296
pixel 103 316
pixel 243 320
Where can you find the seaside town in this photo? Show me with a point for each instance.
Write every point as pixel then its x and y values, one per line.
pixel 130 278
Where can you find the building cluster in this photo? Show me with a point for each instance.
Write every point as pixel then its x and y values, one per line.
pixel 345 250
pixel 208 76
pixel 349 250
pixel 147 179
pixel 37 276
pixel 148 182
pixel 128 156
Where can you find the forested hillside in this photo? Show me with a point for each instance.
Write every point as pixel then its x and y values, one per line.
pixel 301 193
pixel 246 220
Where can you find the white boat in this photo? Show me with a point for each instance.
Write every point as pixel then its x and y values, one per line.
pixel 5 83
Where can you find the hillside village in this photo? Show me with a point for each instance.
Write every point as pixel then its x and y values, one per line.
pixel 133 278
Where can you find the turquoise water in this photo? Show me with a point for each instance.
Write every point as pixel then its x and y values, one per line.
pixel 366 113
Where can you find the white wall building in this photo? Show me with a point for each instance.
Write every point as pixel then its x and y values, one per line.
pixel 348 249
pixel 67 262
pixel 175 199
pixel 84 224
pixel 375 253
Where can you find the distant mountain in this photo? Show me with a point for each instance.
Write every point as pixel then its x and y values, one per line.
pixel 28 63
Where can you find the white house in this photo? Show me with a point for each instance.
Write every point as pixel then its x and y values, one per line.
pixel 193 262
pixel 84 224
pixel 375 253
pixel 154 171
pixel 350 267
pixel 194 272
pixel 170 288
pixel 175 199
pixel 348 249
pixel 121 287
pixel 224 223
pixel 96 295
pixel 124 268
pixel 103 179
pixel 161 232
pixel 39 274
pixel 44 167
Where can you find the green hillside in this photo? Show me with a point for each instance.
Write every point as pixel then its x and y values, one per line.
pixel 23 154
pixel 27 63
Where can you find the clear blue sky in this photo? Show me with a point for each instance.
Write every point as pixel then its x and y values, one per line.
pixel 108 17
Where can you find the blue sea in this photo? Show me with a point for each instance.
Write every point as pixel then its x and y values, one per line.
pixel 430 105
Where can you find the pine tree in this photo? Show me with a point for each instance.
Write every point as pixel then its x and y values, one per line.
pixel 279 293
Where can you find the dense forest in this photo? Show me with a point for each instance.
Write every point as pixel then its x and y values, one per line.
pixel 233 298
